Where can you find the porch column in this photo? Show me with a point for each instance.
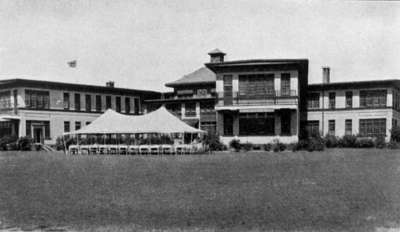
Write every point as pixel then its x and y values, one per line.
pixel 220 123
pixel 235 124
pixel 277 123
pixel 293 122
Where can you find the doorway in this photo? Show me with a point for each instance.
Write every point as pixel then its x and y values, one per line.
pixel 285 122
pixel 38 134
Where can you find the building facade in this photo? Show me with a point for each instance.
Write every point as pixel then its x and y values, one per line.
pixel 45 110
pixel 254 101
pixel 365 108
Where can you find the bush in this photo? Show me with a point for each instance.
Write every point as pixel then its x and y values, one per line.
pixel 393 145
pixel 247 146
pixel 8 139
pixel 315 144
pixel 348 141
pixel 395 134
pixel 24 143
pixel 267 147
pixel 59 144
pixel 292 147
pixel 331 141
pixel 214 143
pixel 302 144
pixel 277 146
pixel 380 142
pixel 235 144
pixel 364 142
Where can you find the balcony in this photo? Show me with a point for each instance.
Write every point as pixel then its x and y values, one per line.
pixel 268 98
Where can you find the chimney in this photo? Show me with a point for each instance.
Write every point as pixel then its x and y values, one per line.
pixel 110 84
pixel 216 56
pixel 326 78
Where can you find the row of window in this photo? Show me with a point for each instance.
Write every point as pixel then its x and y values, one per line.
pixel 98 103
pixel 367 127
pixel 190 108
pixel 368 99
pixel 78 125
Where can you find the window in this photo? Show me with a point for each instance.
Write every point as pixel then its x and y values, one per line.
pixel 127 105
pixel 349 99
pixel 98 103
pixel 228 124
pixel 77 125
pixel 256 124
pixel 108 102
pixel 256 86
pixel 77 102
pixel 66 101
pixel 373 127
pixel 373 98
pixel 348 127
pixel 67 126
pixel 36 99
pixel 285 84
pixel 313 128
pixel 190 109
pixel 34 123
pixel 5 128
pixel 88 103
pixel 332 100
pixel 5 99
pixel 136 105
pixel 313 100
pixel 118 104
pixel 331 127
pixel 207 108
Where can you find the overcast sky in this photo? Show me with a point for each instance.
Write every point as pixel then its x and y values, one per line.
pixel 146 43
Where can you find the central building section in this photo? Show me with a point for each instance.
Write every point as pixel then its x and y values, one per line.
pixel 259 101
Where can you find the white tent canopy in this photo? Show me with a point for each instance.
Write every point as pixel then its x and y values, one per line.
pixel 159 121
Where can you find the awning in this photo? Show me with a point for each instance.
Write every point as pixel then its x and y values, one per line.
pixel 7 118
pixel 256 110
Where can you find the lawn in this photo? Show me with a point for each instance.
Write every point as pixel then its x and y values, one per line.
pixel 334 190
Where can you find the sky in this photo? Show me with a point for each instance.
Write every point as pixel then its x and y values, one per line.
pixel 144 44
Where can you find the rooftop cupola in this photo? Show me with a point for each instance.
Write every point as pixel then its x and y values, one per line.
pixel 216 56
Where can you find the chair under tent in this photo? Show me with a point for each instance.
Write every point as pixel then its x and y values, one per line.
pixel 158 132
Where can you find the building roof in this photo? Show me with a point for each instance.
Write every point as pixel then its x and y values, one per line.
pixel 216 51
pixel 10 83
pixel 355 84
pixel 202 75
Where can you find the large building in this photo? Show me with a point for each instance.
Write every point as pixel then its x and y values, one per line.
pixel 45 110
pixel 255 101
pixel 259 101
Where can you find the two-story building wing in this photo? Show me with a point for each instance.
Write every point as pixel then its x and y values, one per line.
pixel 365 108
pixel 260 100
pixel 44 110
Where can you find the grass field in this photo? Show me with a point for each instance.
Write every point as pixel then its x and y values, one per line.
pixel 335 190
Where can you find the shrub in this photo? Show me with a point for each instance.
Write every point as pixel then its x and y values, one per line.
pixel 214 143
pixel 348 141
pixel 235 144
pixel 363 142
pixel 395 134
pixel 8 139
pixel 292 147
pixel 277 146
pixel 24 143
pixel 331 141
pixel 315 144
pixel 247 146
pixel 302 144
pixel 393 145
pixel 380 142
pixel 267 147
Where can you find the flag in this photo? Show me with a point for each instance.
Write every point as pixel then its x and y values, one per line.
pixel 72 64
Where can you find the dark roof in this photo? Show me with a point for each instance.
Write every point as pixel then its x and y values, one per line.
pixel 355 84
pixel 202 75
pixel 9 83
pixel 216 51
pixel 258 62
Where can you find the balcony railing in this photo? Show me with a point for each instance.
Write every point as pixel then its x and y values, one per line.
pixel 182 97
pixel 267 98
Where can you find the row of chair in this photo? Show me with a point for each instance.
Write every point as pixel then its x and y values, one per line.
pixel 134 149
